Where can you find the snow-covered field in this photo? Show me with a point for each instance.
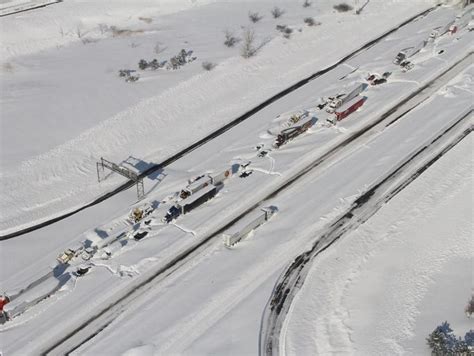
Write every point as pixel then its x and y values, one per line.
pixel 63 106
pixel 70 107
pixel 384 287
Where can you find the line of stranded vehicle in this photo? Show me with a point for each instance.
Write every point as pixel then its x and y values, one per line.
pixel 205 187
pixel 336 108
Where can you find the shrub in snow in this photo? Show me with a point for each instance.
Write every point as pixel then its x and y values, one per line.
pixel 142 64
pixel 285 30
pixel 154 64
pixel 277 12
pixel 310 21
pixel 461 348
pixel 255 17
pixel 469 309
pixel 132 78
pixel 230 39
pixel 208 66
pixel 248 48
pixel 127 74
pixel 469 338
pixel 442 341
pixel 342 7
pixel 180 59
pixel 307 3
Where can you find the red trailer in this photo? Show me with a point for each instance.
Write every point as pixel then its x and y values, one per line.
pixel 350 107
pixel 3 301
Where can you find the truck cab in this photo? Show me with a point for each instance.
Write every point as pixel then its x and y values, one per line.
pixel 172 214
pixel 401 56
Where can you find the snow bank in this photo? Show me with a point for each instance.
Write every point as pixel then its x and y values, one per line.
pixel 379 290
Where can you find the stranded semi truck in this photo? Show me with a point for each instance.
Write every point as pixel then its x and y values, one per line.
pixel 348 109
pixel 191 202
pixel 291 132
pixel 340 100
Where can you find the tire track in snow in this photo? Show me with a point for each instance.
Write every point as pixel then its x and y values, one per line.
pixel 98 322
pixel 288 285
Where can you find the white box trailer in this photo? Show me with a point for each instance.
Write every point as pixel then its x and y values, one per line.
pixel 248 223
pixel 342 99
pixel 34 295
pixel 441 30
pixel 206 180
pixel 195 186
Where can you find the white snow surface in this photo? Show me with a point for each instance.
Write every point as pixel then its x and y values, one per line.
pixel 63 105
pixel 213 304
pixel 384 287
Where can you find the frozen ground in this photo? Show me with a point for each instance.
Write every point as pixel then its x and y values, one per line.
pixel 213 303
pixel 70 107
pixel 383 288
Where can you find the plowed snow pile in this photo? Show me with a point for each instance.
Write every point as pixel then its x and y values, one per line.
pixel 384 287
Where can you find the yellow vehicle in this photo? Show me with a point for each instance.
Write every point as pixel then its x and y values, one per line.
pixel 66 256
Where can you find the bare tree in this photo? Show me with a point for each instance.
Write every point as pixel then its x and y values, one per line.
pixel 255 17
pixel 208 66
pixel 285 30
pixel 311 22
pixel 248 48
pixel 277 12
pixel 307 3
pixel 230 39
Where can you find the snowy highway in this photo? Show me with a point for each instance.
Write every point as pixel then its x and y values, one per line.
pixel 245 294
pixel 406 124
pixel 178 289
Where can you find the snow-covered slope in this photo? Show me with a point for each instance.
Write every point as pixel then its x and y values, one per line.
pixel 383 288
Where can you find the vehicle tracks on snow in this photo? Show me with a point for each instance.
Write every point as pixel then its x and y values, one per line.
pixel 291 281
pixel 102 318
